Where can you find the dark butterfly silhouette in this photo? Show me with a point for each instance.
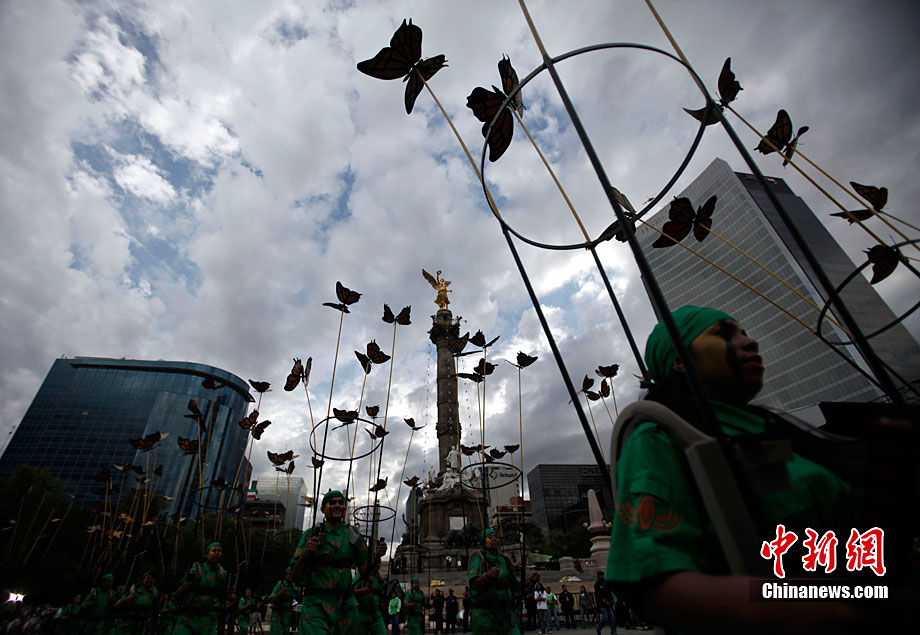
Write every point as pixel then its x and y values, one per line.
pixel 372 411
pixel 375 354
pixel 683 220
pixel 345 416
pixel 593 396
pixel 104 475
pixel 480 340
pixel 259 386
pixel 345 296
pixel 877 197
pixel 496 453
pixel 287 470
pixel 378 432
pixel 484 367
pixel 196 414
pixel 456 346
pixel 411 482
pixel 587 383
pixel 210 384
pixel 511 449
pixel 524 360
pixel 248 421
pixel 790 147
pixel 486 104
pixel 188 446
pixel 278 459
pixel 780 135
pixel 605 388
pixel 148 442
pixel 364 361
pixel 402 58
pixel 614 230
pixel 259 428
pixel 411 423
pixel 471 376
pixel 467 451
pixel 608 371
pixel 884 260
pixel 298 373
pixel 402 318
pixel 728 91
pixel 317 462
pixel 379 485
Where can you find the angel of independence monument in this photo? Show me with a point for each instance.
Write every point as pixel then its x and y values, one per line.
pixel 445 518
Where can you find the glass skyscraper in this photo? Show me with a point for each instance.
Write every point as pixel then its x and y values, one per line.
pixel 88 408
pixel 288 491
pixel 559 494
pixel 801 370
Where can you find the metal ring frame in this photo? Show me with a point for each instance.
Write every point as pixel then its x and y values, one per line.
pixel 322 455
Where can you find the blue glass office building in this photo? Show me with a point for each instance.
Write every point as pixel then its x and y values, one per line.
pixel 88 408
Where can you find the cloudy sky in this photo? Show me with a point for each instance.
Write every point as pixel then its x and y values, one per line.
pixel 188 181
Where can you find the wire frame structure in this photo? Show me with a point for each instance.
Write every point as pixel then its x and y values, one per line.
pixel 880 373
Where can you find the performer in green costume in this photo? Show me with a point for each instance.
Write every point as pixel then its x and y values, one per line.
pixel 281 597
pixel 138 607
pixel 200 598
pixel 246 606
pixel 667 557
pixel 415 603
pixel 70 621
pixel 97 607
pixel 369 591
pixel 324 559
pixel 495 610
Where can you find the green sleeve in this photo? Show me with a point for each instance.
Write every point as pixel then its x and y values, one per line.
pixel 476 569
pixel 658 527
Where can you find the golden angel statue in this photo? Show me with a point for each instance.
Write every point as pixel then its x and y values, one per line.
pixel 440 285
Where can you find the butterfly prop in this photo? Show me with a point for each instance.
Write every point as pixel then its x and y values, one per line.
pixel 780 135
pixel 511 449
pixel 379 485
pixel 480 340
pixel 188 446
pixel 196 414
pixel 524 360
pixel 364 361
pixel 728 91
pixel 375 354
pixel 247 422
pixel 345 416
pixel 411 482
pixel 402 318
pixel 457 345
pixel 485 105
pixel 496 453
pixel 411 423
pixel 298 373
pixel 605 388
pixel 402 58
pixel 287 470
pixel 608 371
pixel 148 442
pixel 884 260
pixel 683 219
pixel 471 376
pixel 591 395
pixel 345 296
pixel 372 411
pixel 317 462
pixel 259 428
pixel 278 459
pixel 259 386
pixel 484 367
pixel 877 197
pixel 210 384
pixel 378 432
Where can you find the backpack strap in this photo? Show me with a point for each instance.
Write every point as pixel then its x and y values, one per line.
pixel 711 473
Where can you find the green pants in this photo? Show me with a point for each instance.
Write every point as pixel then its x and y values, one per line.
pixel 319 616
pixel 485 622
pixel 281 622
pixel 242 623
pixel 196 624
pixel 415 624
pixel 371 623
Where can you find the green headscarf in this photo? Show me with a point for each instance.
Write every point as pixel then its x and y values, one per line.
pixel 333 493
pixel 212 545
pixel 108 576
pixel 485 533
pixel 691 321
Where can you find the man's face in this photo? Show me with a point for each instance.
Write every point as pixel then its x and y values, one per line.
pixel 492 541
pixel 148 579
pixel 335 509
pixel 214 554
pixel 728 361
pixel 416 584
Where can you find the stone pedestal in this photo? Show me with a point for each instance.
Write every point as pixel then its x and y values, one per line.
pixel 600 530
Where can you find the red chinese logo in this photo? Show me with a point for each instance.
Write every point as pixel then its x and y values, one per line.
pixel 777 547
pixel 866 550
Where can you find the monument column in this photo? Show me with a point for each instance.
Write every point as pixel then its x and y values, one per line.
pixel 444 329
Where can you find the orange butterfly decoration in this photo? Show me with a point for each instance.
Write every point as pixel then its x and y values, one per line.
pixel 411 482
pixel 247 422
pixel 402 318
pixel 608 371
pixel 877 197
pixel 486 104
pixel 188 446
pixel 683 219
pixel 259 386
pixel 210 384
pixel 259 428
pixel 345 296
pixel 728 91
pixel 372 411
pixel 197 415
pixel 298 373
pixel 278 459
pixel 287 470
pixel 402 58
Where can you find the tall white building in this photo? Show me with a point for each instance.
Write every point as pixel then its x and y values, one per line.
pixel 801 370
pixel 288 492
